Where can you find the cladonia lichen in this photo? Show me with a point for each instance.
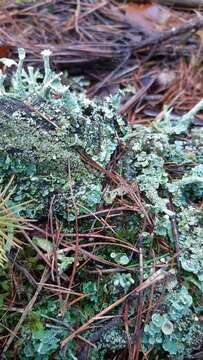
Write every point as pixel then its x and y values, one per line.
pixel 44 130
pixel 60 146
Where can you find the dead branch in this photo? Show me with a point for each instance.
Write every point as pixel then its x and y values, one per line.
pixel 193 26
pixel 182 3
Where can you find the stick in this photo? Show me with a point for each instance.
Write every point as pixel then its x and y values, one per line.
pixel 156 277
pixel 167 35
pixel 182 3
pixel 23 270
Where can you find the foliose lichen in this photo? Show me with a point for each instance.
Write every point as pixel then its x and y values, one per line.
pixel 176 329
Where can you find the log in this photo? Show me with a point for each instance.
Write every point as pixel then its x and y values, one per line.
pixel 182 3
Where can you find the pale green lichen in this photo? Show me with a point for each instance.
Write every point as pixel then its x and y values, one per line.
pixel 43 136
pixel 45 131
pixel 164 166
pixel 114 340
pixel 175 330
pixel 169 168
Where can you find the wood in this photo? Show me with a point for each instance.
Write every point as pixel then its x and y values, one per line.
pixel 182 3
pixel 192 26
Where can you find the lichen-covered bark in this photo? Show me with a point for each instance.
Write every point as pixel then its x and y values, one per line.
pixel 42 127
pixel 39 143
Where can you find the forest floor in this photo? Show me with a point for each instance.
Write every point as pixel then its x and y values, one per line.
pixel 152 54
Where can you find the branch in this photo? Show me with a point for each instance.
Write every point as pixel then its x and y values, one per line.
pixel 168 35
pixel 182 3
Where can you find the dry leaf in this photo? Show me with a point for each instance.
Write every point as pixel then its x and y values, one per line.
pixel 151 18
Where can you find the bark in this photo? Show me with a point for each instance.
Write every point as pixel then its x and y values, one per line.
pixel 182 3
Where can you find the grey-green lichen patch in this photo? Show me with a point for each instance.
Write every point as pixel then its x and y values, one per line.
pixel 176 330
pixel 44 129
pixel 169 169
pixel 114 339
pixel 47 132
pixel 167 163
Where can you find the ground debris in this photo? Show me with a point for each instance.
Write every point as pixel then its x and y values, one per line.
pixel 107 43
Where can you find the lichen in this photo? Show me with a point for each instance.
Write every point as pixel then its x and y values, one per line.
pixel 166 167
pixel 44 130
pixel 114 339
pixel 51 138
pixel 177 328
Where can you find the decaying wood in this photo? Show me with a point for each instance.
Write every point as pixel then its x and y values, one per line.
pixel 182 3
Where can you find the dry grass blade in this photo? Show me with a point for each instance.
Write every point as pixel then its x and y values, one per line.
pixel 11 224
